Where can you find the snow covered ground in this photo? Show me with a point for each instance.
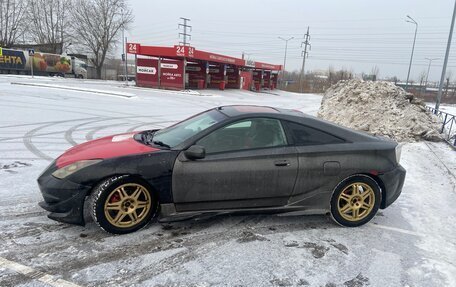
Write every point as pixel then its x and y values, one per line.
pixel 450 109
pixel 447 108
pixel 412 243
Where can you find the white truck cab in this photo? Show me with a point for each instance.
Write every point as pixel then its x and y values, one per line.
pixel 79 68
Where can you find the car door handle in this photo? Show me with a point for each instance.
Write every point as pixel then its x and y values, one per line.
pixel 283 162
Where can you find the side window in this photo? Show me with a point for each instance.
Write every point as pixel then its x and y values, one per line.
pixel 304 135
pixel 245 134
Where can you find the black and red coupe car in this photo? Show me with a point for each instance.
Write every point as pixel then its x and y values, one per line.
pixel 227 159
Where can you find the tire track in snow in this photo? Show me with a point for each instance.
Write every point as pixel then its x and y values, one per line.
pixel 91 134
pixel 27 140
pixel 452 182
pixel 69 133
pixel 40 123
pixel 133 128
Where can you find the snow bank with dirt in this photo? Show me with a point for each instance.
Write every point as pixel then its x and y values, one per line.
pixel 379 108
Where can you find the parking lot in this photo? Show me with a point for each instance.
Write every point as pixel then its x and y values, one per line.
pixel 412 243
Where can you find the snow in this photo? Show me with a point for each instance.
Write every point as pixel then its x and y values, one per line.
pixel 447 108
pixel 412 243
pixel 450 126
pixel 379 108
pixel 66 88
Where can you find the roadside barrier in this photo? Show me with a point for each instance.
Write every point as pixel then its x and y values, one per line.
pixel 448 125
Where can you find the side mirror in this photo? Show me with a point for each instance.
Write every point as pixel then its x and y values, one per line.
pixel 195 152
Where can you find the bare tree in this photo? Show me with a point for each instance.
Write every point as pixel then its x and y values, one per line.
pixel 449 76
pixel 374 72
pixel 422 77
pixel 49 22
pixel 96 25
pixel 12 25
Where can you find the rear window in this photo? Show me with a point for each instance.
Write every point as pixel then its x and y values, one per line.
pixel 304 135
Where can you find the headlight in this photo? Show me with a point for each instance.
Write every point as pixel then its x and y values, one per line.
pixel 398 152
pixel 74 167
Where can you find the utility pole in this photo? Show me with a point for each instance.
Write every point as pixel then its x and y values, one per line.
pixel 285 58
pixel 304 56
pixel 184 34
pixel 124 55
pixel 427 74
pixel 184 43
pixel 126 62
pixel 410 20
pixel 442 78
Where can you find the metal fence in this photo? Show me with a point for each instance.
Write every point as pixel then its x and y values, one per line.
pixel 448 124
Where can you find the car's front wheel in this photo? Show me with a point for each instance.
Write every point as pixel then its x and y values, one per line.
pixel 355 201
pixel 122 204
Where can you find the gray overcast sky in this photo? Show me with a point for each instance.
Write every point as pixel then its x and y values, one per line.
pixel 352 34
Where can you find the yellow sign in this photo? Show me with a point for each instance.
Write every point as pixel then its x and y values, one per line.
pixel 1 51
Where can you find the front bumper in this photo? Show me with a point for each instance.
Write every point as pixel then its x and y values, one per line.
pixel 393 182
pixel 62 198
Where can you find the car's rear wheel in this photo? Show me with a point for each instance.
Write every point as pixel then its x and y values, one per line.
pixel 122 204
pixel 355 201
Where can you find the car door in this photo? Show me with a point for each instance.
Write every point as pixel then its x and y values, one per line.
pixel 248 164
pixel 319 156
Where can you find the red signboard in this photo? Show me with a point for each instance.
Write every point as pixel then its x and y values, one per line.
pixel 265 66
pixel 133 48
pixel 147 73
pixel 184 51
pixel 177 52
pixel 172 73
pixel 156 51
pixel 217 58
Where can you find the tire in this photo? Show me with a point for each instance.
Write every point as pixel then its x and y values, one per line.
pixel 355 201
pixel 122 204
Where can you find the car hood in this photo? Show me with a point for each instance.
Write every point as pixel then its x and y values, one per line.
pixel 103 148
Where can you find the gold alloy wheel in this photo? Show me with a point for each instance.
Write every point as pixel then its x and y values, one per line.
pixel 356 201
pixel 127 205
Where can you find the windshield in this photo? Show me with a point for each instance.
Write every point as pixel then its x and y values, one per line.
pixel 182 131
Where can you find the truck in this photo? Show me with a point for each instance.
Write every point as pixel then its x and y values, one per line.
pixel 44 64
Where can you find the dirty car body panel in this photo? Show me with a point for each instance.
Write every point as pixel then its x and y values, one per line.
pixel 255 159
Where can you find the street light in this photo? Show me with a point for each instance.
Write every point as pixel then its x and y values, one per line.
pixel 427 74
pixel 445 61
pixel 410 20
pixel 66 49
pixel 285 57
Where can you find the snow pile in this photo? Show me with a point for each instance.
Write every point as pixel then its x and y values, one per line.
pixel 379 108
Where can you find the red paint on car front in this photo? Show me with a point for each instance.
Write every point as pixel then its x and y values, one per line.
pixel 103 148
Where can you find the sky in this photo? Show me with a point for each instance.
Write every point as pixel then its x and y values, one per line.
pixel 352 34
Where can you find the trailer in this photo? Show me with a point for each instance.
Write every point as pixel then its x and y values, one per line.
pixel 43 64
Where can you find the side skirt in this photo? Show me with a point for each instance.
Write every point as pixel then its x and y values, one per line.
pixel 168 212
